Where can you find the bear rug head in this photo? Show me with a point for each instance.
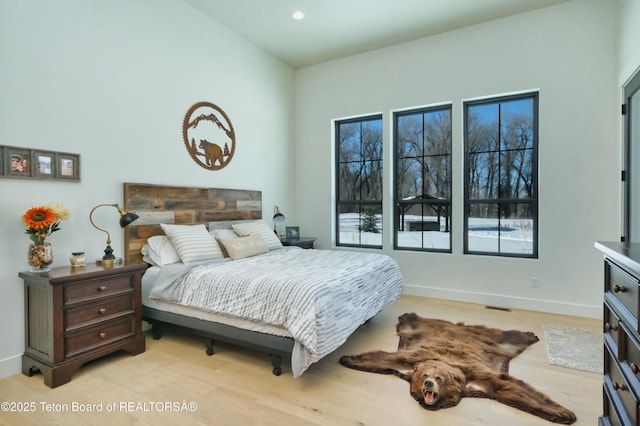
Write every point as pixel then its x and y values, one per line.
pixel 445 362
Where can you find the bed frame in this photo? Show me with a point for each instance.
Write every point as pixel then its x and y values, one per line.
pixel 215 208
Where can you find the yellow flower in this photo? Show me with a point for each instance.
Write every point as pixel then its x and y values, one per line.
pixel 61 211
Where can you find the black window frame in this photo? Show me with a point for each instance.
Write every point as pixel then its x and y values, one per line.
pixel 361 205
pixel 501 202
pixel 438 205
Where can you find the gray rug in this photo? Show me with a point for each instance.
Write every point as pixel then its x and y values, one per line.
pixel 575 347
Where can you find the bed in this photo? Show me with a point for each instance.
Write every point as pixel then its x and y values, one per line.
pixel 285 301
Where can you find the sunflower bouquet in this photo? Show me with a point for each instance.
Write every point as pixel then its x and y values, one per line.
pixel 42 221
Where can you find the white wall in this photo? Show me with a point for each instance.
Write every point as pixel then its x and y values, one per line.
pixel 567 52
pixel 112 81
pixel 629 40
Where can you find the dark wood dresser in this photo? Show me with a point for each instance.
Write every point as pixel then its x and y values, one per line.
pixel 621 387
pixel 74 315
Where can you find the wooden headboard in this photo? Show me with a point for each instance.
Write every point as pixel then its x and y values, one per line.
pixel 156 204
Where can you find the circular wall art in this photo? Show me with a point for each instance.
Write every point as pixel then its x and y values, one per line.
pixel 208 135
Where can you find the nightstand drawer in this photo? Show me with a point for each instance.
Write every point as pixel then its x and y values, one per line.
pixel 92 314
pixel 621 392
pixel 99 336
pixel 614 414
pixel 74 293
pixel 629 357
pixel 611 327
pixel 624 288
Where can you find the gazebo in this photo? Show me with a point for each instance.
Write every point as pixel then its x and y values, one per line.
pixel 441 209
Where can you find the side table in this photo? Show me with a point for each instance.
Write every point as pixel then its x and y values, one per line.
pixel 74 315
pixel 304 242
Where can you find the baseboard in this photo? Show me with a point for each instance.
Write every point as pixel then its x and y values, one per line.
pixel 497 300
pixel 10 366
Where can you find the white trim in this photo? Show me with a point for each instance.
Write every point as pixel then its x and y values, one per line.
pixel 354 117
pixel 10 366
pixel 500 95
pixel 422 107
pixel 510 302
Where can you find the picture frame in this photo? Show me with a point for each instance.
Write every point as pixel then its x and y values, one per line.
pixel 67 166
pixel 43 164
pixel 30 163
pixel 17 162
pixel 292 232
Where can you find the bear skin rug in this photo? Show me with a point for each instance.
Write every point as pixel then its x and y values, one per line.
pixel 445 362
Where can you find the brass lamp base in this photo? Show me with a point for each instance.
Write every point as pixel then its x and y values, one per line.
pixel 109 262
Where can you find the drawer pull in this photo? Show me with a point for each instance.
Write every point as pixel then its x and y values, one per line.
pixel 618 386
pixel 102 288
pixel 619 289
pixel 102 310
pixel 634 368
pixel 102 335
pixel 609 327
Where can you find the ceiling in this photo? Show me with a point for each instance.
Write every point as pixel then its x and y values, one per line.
pixel 337 28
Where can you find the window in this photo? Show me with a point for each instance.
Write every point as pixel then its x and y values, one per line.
pixel 359 182
pixel 501 188
pixel 422 143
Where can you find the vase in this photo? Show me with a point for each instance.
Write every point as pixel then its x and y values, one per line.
pixel 40 256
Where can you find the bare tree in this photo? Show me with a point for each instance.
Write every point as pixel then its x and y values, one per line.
pixel 500 162
pixel 360 161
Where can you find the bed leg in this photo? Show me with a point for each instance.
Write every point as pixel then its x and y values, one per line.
pixel 276 361
pixel 156 330
pixel 209 344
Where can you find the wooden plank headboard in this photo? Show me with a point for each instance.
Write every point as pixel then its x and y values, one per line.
pixel 156 204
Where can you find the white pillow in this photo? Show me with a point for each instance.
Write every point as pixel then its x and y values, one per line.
pixel 241 247
pixel 159 251
pixel 193 243
pixel 149 256
pixel 258 227
pixel 224 234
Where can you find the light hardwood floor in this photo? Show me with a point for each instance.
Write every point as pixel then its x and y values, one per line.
pixel 236 387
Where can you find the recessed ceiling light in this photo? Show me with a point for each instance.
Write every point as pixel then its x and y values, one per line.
pixel 298 15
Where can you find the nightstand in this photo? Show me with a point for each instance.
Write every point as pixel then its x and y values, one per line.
pixel 304 242
pixel 75 315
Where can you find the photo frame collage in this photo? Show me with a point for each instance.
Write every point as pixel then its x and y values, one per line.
pixel 26 163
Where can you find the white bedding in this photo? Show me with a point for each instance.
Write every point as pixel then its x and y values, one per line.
pixel 319 296
pixel 148 280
